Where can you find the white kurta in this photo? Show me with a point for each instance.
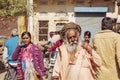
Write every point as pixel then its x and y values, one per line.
pixel 81 70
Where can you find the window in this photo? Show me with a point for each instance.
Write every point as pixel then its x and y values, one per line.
pixel 43 30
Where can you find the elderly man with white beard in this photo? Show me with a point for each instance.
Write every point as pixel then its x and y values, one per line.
pixel 75 60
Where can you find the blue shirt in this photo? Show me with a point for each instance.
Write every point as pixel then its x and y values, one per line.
pixel 11 45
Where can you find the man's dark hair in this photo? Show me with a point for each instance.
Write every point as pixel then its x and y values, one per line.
pixel 107 23
pixel 88 33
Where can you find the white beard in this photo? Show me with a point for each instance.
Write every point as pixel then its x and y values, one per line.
pixel 72 47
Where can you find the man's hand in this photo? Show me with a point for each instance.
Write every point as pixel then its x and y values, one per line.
pixel 84 45
pixel 88 48
pixel 19 42
pixel 47 52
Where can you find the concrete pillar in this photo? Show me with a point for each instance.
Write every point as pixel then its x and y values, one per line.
pixel 30 17
pixel 118 16
pixel 116 8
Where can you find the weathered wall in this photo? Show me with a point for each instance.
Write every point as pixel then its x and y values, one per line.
pixel 7 24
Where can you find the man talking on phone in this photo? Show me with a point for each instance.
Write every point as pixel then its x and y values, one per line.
pixel 10 46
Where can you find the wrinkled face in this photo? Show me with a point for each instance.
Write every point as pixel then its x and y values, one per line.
pixel 72 39
pixel 72 36
pixel 86 38
pixel 26 39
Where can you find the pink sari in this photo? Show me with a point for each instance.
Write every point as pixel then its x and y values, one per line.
pixel 27 63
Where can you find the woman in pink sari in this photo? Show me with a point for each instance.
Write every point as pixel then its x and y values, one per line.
pixel 30 59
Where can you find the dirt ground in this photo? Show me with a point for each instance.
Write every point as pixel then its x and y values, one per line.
pixel 2 71
pixel 2 75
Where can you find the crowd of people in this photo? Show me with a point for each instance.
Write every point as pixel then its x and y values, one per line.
pixel 75 59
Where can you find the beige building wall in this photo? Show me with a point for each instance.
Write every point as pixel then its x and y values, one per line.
pixel 54 14
pixel 62 13
pixel 53 20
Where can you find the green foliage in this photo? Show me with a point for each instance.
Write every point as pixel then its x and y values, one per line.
pixel 13 7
